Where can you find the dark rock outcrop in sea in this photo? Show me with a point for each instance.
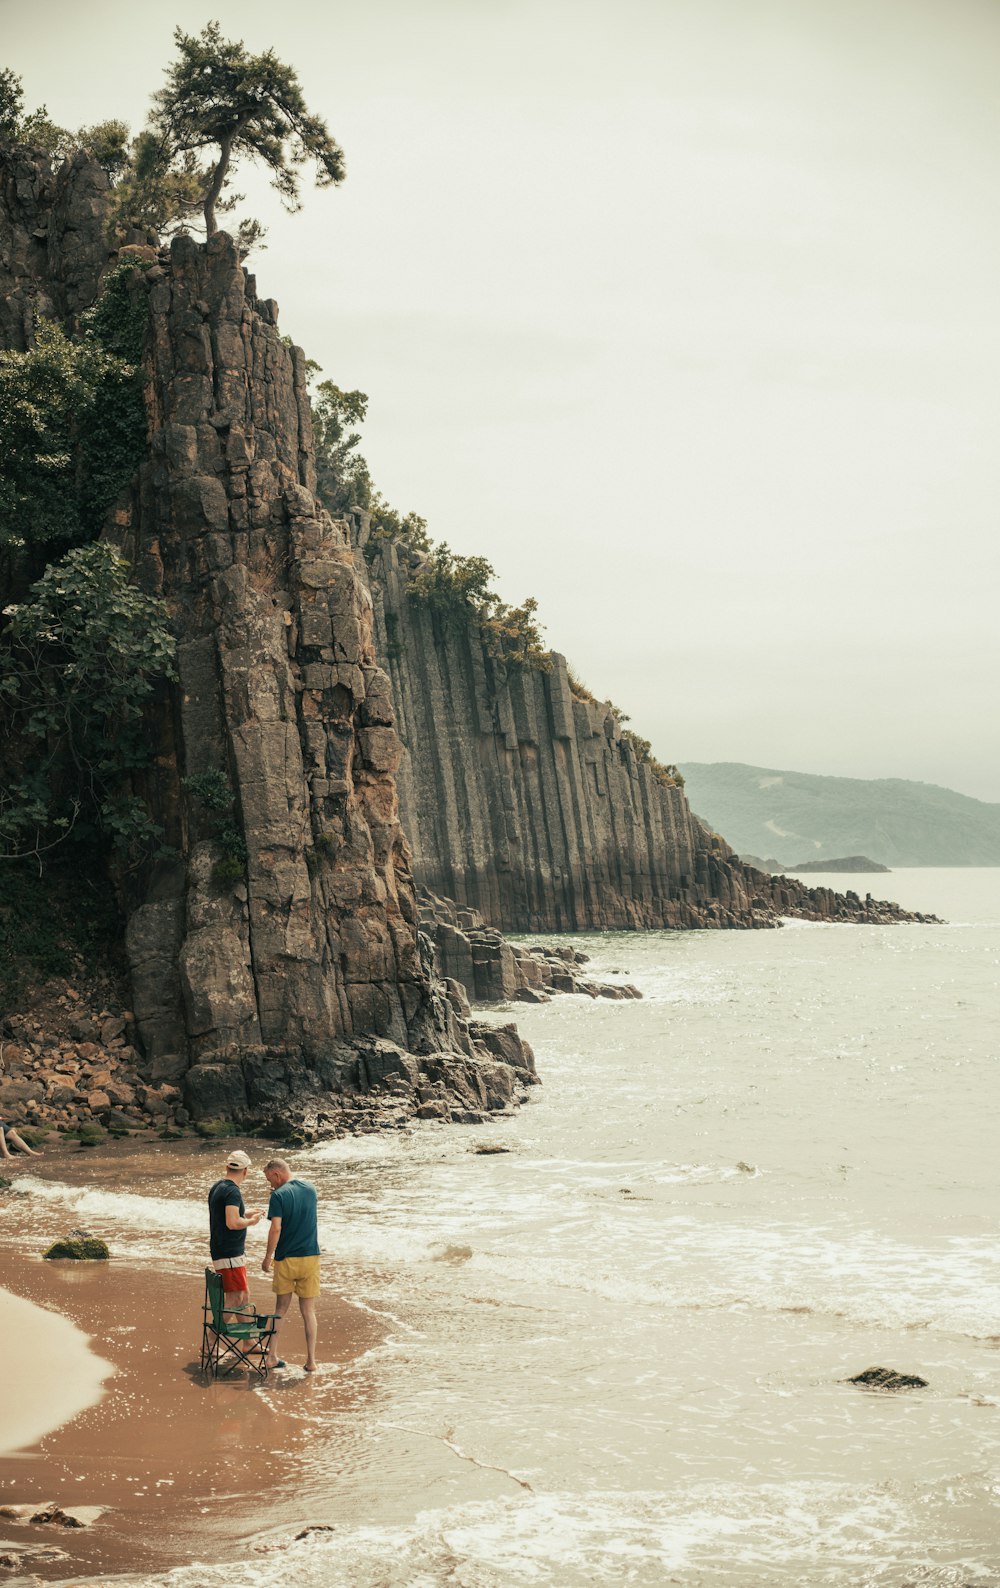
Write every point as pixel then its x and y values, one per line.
pixel 886 1378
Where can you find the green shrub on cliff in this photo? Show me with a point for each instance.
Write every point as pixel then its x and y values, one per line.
pixel 342 477
pixel 63 922
pixel 457 587
pixel 79 663
pixel 214 793
pixel 666 776
pixel 72 428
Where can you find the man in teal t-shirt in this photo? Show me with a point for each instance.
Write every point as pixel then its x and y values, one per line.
pixel 293 1249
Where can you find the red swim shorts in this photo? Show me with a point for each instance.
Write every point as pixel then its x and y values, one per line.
pixel 234 1279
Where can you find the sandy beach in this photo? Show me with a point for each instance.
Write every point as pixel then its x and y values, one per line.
pixel 180 1467
pixel 57 1374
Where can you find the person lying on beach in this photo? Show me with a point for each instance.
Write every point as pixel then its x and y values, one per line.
pixel 293 1247
pixel 228 1222
pixel 9 1134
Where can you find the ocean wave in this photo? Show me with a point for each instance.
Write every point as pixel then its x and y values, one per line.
pixel 124 1210
pixel 731 1536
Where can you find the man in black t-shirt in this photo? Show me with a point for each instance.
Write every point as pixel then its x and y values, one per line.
pixel 228 1222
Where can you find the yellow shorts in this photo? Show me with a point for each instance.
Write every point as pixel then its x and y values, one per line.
pixel 296 1274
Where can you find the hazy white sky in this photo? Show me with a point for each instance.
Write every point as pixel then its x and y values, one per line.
pixel 683 312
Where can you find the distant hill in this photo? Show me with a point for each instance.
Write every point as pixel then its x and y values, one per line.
pixel 798 816
pixel 852 863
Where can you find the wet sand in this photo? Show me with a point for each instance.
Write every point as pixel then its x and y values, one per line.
pixel 183 1468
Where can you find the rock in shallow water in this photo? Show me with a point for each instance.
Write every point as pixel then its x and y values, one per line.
pixel 886 1378
pixel 86 1248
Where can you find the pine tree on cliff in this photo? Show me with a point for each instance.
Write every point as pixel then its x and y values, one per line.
pixel 218 95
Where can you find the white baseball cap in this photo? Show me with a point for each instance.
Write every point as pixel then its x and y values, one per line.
pixel 237 1160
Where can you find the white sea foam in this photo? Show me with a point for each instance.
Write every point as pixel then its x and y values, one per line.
pixel 121 1210
pixel 730 1536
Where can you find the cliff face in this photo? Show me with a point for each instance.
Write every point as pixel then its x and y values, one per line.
pixel 278 955
pixel 529 806
pixel 53 241
pixel 281 701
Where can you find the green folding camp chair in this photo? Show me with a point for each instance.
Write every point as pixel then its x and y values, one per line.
pixel 233 1336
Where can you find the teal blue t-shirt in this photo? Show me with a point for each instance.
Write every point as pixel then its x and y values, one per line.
pixel 294 1203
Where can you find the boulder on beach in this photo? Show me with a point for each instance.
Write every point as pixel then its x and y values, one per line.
pixel 80 1247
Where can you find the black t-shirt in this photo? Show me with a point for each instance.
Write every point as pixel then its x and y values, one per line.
pixel 225 1242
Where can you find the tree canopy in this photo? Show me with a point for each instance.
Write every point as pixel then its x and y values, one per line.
pixel 220 104
pixel 219 96
pixel 36 129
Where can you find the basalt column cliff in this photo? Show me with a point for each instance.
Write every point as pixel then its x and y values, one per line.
pixel 528 804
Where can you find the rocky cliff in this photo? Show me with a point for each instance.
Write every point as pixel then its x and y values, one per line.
pixel 529 805
pixel 298 971
pixel 53 241
pixel 277 964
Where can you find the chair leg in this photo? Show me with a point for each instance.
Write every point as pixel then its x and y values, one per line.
pixel 219 1355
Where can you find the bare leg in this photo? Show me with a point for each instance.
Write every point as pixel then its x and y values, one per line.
pixel 234 1299
pixel 21 1144
pixel 307 1307
pixel 281 1306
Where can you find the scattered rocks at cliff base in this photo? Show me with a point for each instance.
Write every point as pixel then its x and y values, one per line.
pixel 84 1093
pixel 68 1064
pixel 478 958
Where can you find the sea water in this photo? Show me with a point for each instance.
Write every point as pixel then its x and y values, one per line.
pixel 618 1352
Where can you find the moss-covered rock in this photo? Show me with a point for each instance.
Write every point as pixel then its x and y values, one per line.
pixel 82 1248
pixel 91 1135
pixel 213 1128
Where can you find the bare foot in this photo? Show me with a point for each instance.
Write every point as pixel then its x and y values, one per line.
pixel 310 1367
